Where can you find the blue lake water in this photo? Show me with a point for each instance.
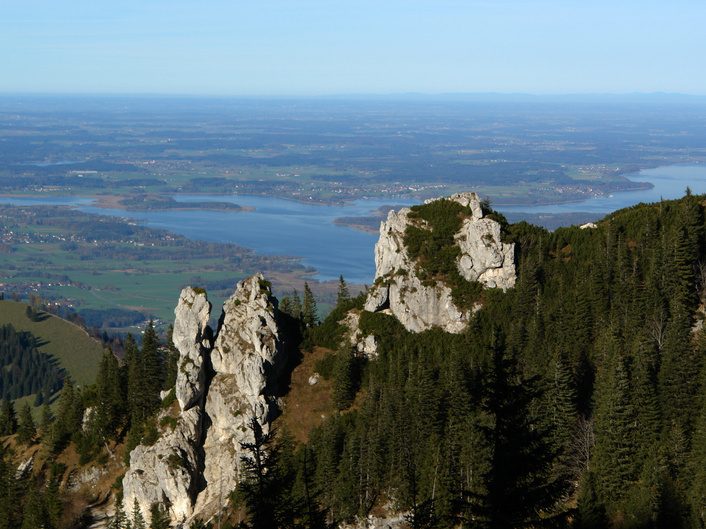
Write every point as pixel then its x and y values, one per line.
pixel 281 226
pixel 278 226
pixel 669 183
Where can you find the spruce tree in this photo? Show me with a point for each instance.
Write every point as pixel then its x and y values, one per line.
pixel 9 490
pixel 111 408
pixel 171 361
pixel 343 294
pixel 309 311
pixel 520 487
pixel 613 454
pixel 45 424
pixel 119 519
pixel 26 430
pixel 264 488
pixel 34 515
pixel 8 419
pixel 138 519
pixel 159 517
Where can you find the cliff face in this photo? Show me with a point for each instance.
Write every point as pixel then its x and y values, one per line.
pixel 222 384
pixel 226 380
pixel 420 305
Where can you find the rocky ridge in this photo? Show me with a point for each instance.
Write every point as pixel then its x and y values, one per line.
pixel 222 384
pixel 419 305
pixel 226 379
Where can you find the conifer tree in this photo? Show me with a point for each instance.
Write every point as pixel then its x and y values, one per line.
pixel 111 399
pixel 615 432
pixel 34 515
pixel 151 379
pixel 343 294
pixel 9 491
pixel 678 375
pixel 119 519
pixel 8 419
pixel 26 430
pixel 520 488
pixel 171 361
pixel 159 517
pixel 45 424
pixel 53 504
pixel 138 519
pixel 310 316
pixel 264 488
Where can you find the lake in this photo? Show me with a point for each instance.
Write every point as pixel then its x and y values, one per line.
pixel 279 226
pixel 669 183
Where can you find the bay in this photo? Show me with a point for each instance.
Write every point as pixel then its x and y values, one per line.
pixel 669 182
pixel 279 226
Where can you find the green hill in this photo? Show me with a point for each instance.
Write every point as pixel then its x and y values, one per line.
pixel 72 347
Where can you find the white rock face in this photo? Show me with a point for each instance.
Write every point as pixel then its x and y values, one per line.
pixel 419 307
pixel 169 470
pixel 191 337
pixel 195 466
pixel 483 257
pixel 247 356
pixel 365 345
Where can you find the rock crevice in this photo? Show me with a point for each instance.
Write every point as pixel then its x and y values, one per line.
pixel 223 382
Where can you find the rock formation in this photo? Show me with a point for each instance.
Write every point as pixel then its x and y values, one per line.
pixel 222 384
pixel 420 305
pixel 247 357
pixel 227 380
pixel 192 338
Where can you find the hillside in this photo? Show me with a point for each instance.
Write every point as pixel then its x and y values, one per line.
pixel 74 349
pixel 570 391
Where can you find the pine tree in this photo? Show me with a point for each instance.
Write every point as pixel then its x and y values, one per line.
pixel 310 315
pixel 520 488
pixel 110 410
pixel 26 430
pixel 34 516
pixel 159 517
pixel 8 419
pixel 264 488
pixel 138 520
pixel 119 519
pixel 343 294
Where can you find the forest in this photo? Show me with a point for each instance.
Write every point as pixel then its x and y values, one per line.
pixel 575 399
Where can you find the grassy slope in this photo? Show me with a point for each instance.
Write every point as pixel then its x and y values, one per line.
pixel 75 350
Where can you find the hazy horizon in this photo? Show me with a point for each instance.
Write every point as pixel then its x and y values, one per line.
pixel 310 48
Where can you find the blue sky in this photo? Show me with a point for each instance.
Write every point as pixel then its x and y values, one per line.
pixel 323 47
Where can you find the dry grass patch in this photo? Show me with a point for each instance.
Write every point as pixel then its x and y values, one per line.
pixel 306 406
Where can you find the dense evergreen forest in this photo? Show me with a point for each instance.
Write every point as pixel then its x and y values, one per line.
pixel 575 399
pixel 26 371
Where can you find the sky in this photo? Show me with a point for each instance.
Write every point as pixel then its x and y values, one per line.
pixel 340 47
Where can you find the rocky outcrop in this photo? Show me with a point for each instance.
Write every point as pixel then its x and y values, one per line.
pixel 420 305
pixel 222 384
pixel 169 471
pixel 247 357
pixel 192 338
pixel 365 345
